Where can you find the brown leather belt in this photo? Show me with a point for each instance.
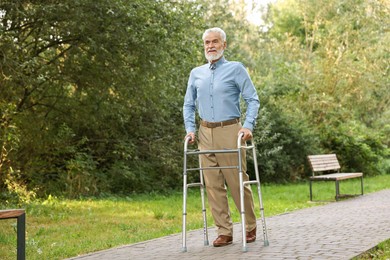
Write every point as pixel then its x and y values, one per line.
pixel 219 124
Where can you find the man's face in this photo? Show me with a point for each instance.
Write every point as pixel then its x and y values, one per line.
pixel 213 46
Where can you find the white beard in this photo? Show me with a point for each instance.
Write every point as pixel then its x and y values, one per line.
pixel 216 56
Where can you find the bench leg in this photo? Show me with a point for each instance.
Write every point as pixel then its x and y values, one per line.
pixel 361 183
pixel 311 194
pixel 337 190
pixel 21 237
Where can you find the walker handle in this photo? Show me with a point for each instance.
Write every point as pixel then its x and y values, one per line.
pixel 240 136
pixel 186 141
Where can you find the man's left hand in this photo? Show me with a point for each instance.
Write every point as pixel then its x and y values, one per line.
pixel 247 134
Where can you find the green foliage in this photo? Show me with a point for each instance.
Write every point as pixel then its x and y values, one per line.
pixel 91 91
pixel 323 78
pixel 359 149
pixel 287 20
pixel 101 82
pixel 291 143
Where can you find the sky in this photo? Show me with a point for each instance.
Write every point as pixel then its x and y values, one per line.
pixel 254 12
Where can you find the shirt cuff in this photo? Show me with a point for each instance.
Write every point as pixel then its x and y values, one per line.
pixel 190 130
pixel 248 125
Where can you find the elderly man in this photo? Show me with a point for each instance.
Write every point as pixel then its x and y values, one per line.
pixel 215 89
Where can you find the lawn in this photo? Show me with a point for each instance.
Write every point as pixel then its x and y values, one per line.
pixel 380 252
pixel 61 228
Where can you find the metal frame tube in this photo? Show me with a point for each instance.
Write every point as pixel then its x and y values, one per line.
pixel 21 237
pixel 242 185
pixel 205 232
pixel 184 233
pixel 265 235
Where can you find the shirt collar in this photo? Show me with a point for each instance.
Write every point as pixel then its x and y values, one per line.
pixel 218 63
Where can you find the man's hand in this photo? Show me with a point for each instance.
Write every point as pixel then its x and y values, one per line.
pixel 247 134
pixel 192 135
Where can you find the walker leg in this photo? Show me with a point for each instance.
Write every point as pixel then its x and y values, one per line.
pixel 244 247
pixel 205 232
pixel 184 234
pixel 266 242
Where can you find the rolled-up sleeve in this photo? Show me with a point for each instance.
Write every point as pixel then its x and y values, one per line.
pixel 189 106
pixel 249 94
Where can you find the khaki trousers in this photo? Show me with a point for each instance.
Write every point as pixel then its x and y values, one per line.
pixel 220 138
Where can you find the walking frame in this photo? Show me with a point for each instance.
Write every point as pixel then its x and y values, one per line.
pixel 202 186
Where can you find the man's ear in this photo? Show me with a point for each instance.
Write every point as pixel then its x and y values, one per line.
pixel 224 45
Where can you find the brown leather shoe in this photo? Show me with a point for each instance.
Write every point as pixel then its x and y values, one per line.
pixel 251 236
pixel 223 240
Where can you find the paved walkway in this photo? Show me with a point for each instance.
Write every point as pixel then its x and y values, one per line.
pixel 339 230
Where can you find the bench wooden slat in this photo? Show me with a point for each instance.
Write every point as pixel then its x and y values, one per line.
pixel 328 155
pixel 325 167
pixel 324 162
pixel 337 176
pixel 11 213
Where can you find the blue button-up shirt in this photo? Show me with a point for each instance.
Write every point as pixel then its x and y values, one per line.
pixel 216 94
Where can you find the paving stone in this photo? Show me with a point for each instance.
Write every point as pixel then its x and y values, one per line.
pixel 338 230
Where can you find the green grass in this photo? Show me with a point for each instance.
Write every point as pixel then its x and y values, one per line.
pixel 381 251
pixel 62 228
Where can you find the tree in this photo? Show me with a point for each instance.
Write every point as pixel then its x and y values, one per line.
pixel 334 55
pixel 82 84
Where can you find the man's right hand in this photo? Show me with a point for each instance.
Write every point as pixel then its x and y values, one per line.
pixel 192 139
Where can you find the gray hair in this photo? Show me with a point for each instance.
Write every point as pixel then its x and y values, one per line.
pixel 215 30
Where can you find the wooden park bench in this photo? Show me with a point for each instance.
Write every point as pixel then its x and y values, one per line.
pixel 329 167
pixel 20 215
